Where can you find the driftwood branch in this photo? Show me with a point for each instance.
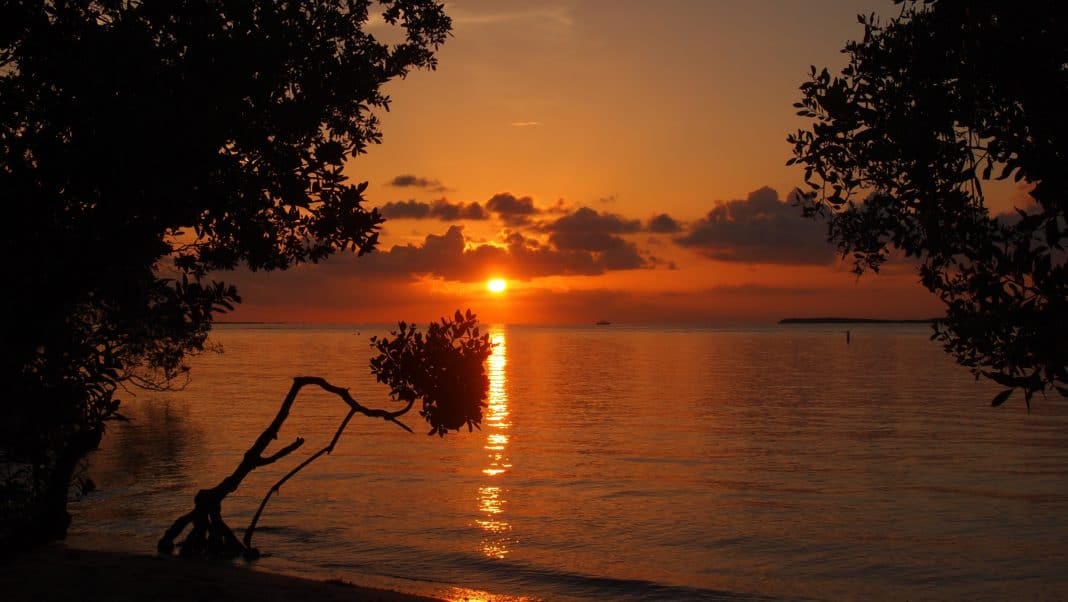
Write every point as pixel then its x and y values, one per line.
pixel 285 451
pixel 277 486
pixel 210 535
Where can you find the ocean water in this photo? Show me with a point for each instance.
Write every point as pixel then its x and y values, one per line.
pixel 620 463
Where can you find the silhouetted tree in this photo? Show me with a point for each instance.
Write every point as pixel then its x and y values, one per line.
pixel 932 104
pixel 444 370
pixel 143 145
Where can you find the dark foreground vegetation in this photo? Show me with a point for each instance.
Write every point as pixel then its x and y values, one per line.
pixel 145 148
pixel 931 106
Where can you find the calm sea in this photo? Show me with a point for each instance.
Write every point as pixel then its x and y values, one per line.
pixel 621 463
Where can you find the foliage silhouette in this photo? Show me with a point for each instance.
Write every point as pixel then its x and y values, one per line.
pixel 143 146
pixel 443 369
pixel 932 104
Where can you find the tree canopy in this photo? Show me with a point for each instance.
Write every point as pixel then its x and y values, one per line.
pixel 932 105
pixel 145 145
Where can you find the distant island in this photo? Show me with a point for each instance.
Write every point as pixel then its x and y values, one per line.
pixel 852 321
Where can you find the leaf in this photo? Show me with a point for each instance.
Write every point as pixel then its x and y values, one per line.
pixel 1003 379
pixel 1000 398
pixel 1009 166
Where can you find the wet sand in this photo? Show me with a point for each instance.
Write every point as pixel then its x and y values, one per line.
pixel 60 573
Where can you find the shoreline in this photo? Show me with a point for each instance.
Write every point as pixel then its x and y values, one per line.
pixel 854 321
pixel 57 572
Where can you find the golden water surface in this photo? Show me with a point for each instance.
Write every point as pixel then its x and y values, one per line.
pixel 634 463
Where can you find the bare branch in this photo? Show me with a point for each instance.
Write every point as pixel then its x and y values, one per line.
pixel 277 486
pixel 285 451
pixel 206 517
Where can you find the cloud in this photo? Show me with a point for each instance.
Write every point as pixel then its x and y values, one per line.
pixel 449 256
pixel 663 224
pixel 512 210
pixel 453 257
pixel 760 229
pixel 581 241
pixel 587 230
pixel 410 181
pixel 440 209
pixel 585 219
pixel 534 259
pixel 525 124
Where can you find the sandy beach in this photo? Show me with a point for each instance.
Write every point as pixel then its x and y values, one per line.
pixel 60 573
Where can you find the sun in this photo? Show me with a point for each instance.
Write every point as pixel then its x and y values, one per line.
pixel 496 285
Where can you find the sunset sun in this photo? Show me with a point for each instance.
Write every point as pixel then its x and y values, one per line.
pixel 496 285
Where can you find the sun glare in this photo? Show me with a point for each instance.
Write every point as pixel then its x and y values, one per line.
pixel 497 285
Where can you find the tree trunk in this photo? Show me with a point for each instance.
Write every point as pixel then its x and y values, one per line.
pixel 48 519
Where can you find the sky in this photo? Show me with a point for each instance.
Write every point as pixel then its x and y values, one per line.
pixel 610 160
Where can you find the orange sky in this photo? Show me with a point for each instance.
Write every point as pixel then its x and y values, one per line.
pixel 571 124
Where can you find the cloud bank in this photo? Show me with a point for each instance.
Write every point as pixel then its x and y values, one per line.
pixel 450 256
pixel 760 229
pixel 440 209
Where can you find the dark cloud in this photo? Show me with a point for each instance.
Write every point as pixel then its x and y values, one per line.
pixel 585 219
pixel 410 181
pixel 760 229
pixel 582 242
pixel 512 210
pixel 663 224
pixel 411 209
pixel 587 230
pixel 451 256
pixel 440 209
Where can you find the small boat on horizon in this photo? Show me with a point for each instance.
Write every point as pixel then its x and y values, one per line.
pixel 602 322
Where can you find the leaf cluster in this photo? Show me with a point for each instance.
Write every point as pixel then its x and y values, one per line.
pixel 146 145
pixel 931 105
pixel 443 369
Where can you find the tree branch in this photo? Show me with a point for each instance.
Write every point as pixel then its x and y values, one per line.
pixel 285 451
pixel 206 515
pixel 249 550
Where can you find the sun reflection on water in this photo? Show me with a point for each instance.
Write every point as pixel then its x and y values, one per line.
pixel 491 501
pixel 463 594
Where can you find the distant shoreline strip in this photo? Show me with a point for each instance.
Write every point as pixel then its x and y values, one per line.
pixel 853 321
